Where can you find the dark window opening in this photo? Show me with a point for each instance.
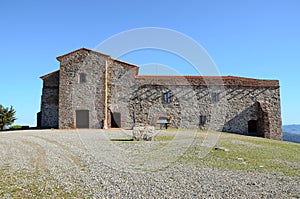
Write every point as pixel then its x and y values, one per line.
pixel 252 126
pixel 39 119
pixel 202 119
pixel 115 120
pixel 82 78
pixel 167 98
pixel 215 97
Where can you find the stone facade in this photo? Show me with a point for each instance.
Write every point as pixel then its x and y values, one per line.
pixel 112 94
pixel 121 81
pixel 49 102
pixel 86 95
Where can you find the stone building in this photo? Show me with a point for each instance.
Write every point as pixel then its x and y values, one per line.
pixel 93 90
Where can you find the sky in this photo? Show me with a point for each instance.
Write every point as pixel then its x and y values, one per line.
pixel 257 38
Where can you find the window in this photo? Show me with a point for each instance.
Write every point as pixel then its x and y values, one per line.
pixel 82 78
pixel 215 97
pixel 167 98
pixel 202 119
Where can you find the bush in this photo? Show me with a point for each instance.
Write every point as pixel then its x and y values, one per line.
pixel 15 127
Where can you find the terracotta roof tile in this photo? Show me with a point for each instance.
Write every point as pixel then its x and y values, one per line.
pixel 208 80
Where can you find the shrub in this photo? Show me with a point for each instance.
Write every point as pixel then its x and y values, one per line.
pixel 15 127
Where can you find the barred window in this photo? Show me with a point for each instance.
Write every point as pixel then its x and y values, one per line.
pixel 167 97
pixel 215 97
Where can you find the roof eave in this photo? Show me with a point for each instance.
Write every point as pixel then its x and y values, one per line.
pixel 49 74
pixel 59 58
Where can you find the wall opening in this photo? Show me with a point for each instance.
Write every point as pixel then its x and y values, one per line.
pixel 82 78
pixel 82 119
pixel 167 97
pixel 202 119
pixel 39 119
pixel 115 120
pixel 252 127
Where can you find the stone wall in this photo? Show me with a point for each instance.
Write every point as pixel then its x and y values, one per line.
pixel 49 101
pixel 236 106
pixel 89 95
pixel 187 105
pixel 121 82
pixel 254 103
pixel 227 103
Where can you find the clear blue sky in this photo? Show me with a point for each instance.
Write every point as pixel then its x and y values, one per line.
pixel 256 38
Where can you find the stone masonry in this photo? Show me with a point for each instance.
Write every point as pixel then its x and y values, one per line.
pixel 111 94
pixel 49 102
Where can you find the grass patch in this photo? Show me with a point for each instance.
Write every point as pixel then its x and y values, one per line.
pixel 164 137
pixel 251 154
pixel 34 184
pixel 15 127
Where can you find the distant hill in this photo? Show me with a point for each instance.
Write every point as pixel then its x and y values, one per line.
pixel 291 133
pixel 291 137
pixel 293 128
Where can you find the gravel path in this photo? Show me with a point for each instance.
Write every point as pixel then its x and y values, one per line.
pixel 86 164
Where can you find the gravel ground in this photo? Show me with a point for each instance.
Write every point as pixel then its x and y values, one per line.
pixel 86 164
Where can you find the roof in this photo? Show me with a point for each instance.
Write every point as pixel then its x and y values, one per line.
pixel 59 58
pixel 183 80
pixel 49 74
pixel 194 77
pixel 208 80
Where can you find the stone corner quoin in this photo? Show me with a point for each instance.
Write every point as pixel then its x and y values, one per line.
pixel 94 90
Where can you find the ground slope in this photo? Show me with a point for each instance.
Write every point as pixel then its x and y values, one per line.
pixel 178 164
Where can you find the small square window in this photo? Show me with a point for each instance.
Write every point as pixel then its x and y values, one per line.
pixel 215 97
pixel 202 119
pixel 82 78
pixel 167 97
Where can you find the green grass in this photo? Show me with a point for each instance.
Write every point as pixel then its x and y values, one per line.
pixel 15 127
pixel 249 153
pixel 34 184
pixel 245 153
pixel 164 138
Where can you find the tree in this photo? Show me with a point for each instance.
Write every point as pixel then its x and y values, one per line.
pixel 7 116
